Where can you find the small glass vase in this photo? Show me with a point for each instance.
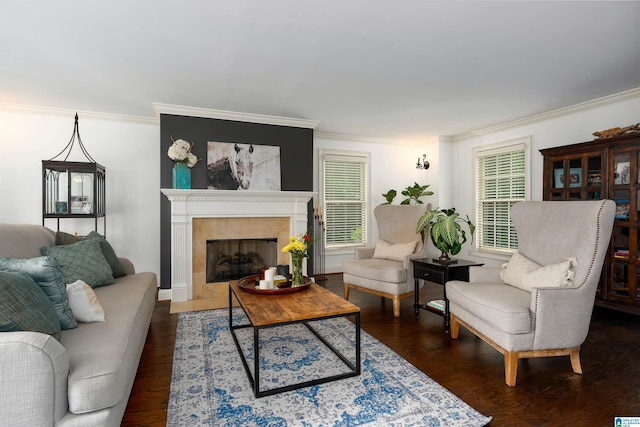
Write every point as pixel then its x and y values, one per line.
pixel 296 277
pixel 181 176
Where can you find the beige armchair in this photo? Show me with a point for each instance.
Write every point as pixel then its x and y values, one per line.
pixel 386 270
pixel 540 303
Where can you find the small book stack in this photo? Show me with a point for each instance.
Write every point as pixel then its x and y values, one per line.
pixel 438 304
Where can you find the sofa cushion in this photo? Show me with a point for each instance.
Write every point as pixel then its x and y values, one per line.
pixel 117 269
pixel 104 356
pixel 25 307
pixel 45 272
pixel 84 302
pixel 526 274
pixel 505 307
pixel 82 261
pixel 394 251
pixel 383 270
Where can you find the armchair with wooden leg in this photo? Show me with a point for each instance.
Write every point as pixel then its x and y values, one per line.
pixel 386 269
pixel 539 304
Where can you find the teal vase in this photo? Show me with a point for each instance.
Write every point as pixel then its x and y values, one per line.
pixel 181 175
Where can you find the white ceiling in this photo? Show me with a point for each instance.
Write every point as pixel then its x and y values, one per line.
pixel 403 70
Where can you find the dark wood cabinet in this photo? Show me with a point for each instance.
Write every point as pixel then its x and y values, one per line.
pixel 605 169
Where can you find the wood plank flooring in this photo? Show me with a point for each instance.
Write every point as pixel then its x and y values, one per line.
pixel 548 393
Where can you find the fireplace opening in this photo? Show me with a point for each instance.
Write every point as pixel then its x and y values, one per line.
pixel 232 259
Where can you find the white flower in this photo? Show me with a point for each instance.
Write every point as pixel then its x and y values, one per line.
pixel 180 151
pixel 191 160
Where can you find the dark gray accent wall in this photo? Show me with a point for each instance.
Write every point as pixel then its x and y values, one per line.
pixel 296 161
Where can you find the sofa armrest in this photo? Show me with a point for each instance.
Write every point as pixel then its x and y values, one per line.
pixel 34 368
pixel 127 265
pixel 364 253
pixel 479 274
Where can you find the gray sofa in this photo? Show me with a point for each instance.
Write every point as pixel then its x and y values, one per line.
pixel 85 378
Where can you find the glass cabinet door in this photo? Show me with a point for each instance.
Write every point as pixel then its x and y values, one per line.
pixel 577 178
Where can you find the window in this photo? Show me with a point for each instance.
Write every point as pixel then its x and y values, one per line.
pixel 344 190
pixel 502 179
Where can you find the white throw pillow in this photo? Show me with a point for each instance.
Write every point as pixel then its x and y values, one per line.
pixel 525 274
pixel 84 302
pixel 394 252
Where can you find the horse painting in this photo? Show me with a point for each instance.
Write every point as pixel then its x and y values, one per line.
pixel 232 171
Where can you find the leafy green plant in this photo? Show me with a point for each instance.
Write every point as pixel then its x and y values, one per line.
pixel 445 230
pixel 414 193
pixel 356 234
pixel 391 194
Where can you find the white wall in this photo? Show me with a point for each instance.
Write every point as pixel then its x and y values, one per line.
pixel 562 129
pixel 127 148
pixel 392 167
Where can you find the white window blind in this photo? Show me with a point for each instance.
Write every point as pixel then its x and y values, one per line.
pixel 501 181
pixel 345 199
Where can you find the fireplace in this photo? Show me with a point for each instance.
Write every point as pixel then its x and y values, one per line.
pixel 201 215
pixel 231 259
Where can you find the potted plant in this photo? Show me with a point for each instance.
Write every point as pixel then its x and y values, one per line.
pixel 445 231
pixel 413 192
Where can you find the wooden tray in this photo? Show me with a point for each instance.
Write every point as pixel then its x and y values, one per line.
pixel 249 284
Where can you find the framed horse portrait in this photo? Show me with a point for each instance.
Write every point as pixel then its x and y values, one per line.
pixel 239 166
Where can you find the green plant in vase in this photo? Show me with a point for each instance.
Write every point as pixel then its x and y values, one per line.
pixel 446 231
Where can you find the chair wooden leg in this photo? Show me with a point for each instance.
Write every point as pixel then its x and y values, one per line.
pixel 510 368
pixel 396 306
pixel 575 361
pixel 454 326
pixel 346 292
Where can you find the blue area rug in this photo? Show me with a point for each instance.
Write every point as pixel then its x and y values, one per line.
pixel 209 385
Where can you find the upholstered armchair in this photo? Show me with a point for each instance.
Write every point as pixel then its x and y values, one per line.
pixel 386 270
pixel 539 304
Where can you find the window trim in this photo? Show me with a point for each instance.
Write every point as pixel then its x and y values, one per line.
pixel 366 158
pixel 492 149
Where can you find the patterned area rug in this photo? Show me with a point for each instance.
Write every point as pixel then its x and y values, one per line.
pixel 210 387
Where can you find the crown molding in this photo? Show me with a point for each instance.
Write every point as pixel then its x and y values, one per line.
pixel 180 110
pixel 352 138
pixel 82 113
pixel 594 103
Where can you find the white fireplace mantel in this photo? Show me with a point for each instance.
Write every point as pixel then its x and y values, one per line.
pixel 189 204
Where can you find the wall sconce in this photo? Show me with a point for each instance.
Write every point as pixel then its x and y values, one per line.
pixel 424 164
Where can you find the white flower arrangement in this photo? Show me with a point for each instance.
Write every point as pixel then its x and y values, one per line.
pixel 180 151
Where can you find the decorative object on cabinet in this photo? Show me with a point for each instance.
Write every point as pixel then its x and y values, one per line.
pixel 73 189
pixel 613 170
pixel 614 132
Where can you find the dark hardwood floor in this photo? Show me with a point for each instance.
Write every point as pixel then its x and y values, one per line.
pixel 548 393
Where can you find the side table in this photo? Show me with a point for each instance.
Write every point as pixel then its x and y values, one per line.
pixel 433 271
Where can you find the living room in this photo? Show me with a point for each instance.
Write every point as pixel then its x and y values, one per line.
pixel 48 75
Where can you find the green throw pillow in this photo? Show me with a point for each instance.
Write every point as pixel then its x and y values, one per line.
pixel 117 269
pixel 25 307
pixel 46 273
pixel 109 254
pixel 63 238
pixel 81 261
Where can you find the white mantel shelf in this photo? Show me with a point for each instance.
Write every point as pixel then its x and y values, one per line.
pixel 189 204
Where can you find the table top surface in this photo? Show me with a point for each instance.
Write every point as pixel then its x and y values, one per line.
pixel 431 263
pixel 312 303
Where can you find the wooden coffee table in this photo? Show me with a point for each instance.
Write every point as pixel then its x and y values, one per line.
pixel 270 311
